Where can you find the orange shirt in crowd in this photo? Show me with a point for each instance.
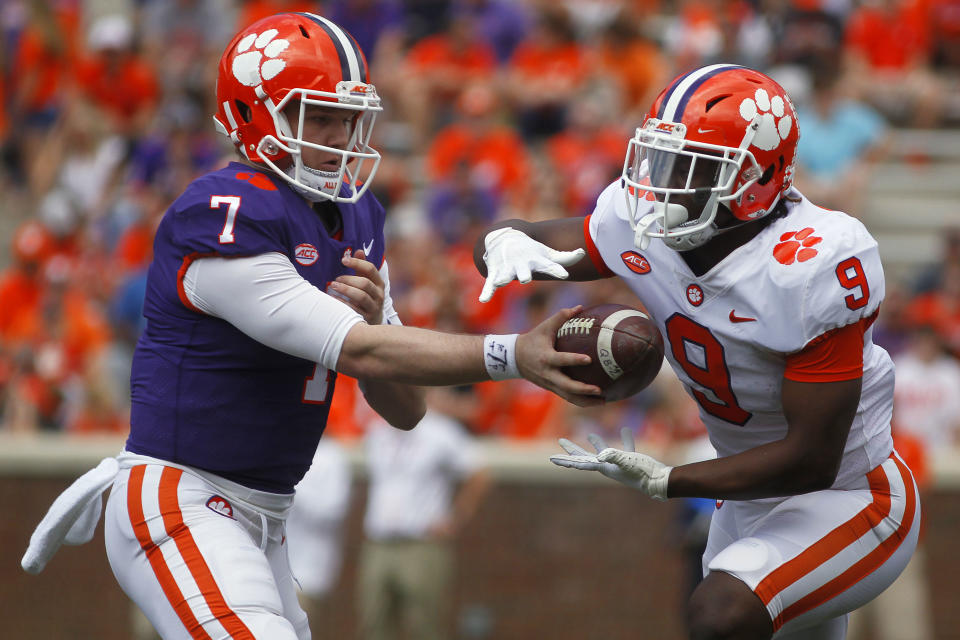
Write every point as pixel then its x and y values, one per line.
pixel 84 329
pixel 519 410
pixel 42 67
pixel 255 10
pixel 498 153
pixel 123 87
pixel 20 310
pixel 586 164
pixel 940 311
pixel 889 40
pixel 476 316
pixel 134 247
pixel 639 68
pixel 343 422
pixel 436 52
pixel 563 66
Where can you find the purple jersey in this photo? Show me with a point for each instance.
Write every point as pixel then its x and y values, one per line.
pixel 205 394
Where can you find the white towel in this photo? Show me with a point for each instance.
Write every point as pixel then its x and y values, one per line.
pixel 72 518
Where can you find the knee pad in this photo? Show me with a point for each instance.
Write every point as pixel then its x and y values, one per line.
pixel 273 627
pixel 749 559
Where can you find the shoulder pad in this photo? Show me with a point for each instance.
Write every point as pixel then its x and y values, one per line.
pixel 831 266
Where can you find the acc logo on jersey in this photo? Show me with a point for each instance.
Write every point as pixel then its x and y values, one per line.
pixel 695 295
pixel 635 262
pixel 306 254
pixel 220 505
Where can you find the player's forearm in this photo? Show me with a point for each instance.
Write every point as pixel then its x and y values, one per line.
pixel 410 355
pixel 401 405
pixel 771 470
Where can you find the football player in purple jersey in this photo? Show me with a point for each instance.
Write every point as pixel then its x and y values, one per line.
pixel 268 279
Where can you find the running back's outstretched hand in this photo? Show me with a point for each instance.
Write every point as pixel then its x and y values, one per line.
pixel 513 255
pixel 625 465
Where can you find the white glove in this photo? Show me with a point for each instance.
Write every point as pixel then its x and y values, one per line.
pixel 625 466
pixel 513 255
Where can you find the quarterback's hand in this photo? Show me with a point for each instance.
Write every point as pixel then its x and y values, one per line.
pixel 513 255
pixel 623 465
pixel 540 363
pixel 363 292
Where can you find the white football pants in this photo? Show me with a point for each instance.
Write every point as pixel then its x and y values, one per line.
pixel 201 556
pixel 813 558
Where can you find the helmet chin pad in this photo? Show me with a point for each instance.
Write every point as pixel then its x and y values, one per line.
pixel 673 214
pixel 311 181
pixel 691 240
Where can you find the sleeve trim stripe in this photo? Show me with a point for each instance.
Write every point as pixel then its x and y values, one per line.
pixel 182 272
pixel 833 356
pixel 593 252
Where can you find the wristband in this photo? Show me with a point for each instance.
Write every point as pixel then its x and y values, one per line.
pixel 500 356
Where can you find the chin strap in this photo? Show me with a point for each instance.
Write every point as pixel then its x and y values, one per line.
pixel 691 240
pixel 640 238
pixel 314 180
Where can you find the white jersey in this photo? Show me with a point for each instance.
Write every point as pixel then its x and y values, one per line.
pixel 729 332
pixel 926 402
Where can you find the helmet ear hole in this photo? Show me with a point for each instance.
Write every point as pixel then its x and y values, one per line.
pixel 304 31
pixel 767 175
pixel 244 110
pixel 713 102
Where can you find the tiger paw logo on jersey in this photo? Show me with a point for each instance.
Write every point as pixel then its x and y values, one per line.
pixel 695 295
pixel 306 254
pixel 249 67
pixel 796 246
pixel 775 124
pixel 220 505
pixel 635 262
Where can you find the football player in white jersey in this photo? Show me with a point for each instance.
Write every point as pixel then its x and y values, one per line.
pixel 765 301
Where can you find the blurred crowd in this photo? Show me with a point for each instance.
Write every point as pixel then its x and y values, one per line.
pixel 493 109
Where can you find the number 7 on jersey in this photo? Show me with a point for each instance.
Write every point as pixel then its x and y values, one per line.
pixel 233 204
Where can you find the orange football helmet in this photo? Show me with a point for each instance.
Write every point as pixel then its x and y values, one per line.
pixel 303 57
pixel 722 134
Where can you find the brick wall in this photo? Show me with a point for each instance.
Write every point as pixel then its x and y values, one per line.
pixel 540 561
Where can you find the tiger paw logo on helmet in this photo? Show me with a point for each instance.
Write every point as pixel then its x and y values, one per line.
pixel 796 246
pixel 775 124
pixel 249 66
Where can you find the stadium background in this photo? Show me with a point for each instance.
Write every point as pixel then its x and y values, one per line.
pixel 494 109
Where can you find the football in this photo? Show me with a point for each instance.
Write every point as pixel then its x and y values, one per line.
pixel 624 343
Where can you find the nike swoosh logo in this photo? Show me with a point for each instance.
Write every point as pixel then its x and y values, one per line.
pixel 699 130
pixel 367 248
pixel 735 318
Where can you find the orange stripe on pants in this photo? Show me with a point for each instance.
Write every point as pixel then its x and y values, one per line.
pixel 155 557
pixel 176 529
pixel 865 566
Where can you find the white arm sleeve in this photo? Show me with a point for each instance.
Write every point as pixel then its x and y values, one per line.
pixel 268 300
